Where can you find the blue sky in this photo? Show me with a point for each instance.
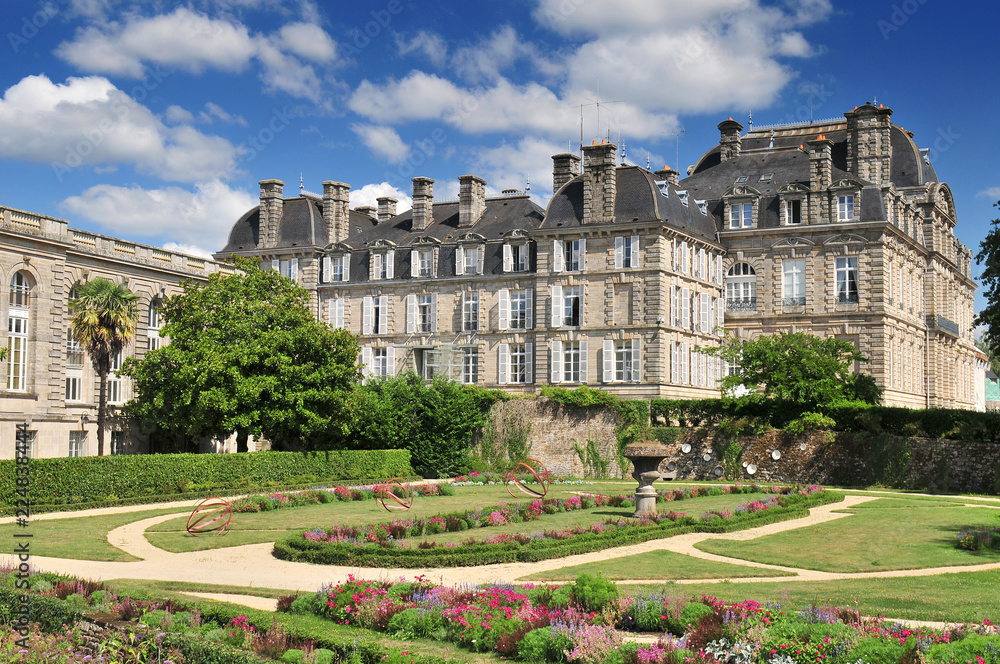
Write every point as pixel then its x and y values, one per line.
pixel 154 121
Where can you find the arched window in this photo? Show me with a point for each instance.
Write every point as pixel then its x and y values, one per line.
pixel 741 288
pixel 17 329
pixel 153 326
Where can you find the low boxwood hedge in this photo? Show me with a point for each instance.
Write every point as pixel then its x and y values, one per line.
pixel 120 479
pixel 298 548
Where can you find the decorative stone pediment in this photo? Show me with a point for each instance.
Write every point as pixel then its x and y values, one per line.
pixel 427 240
pixel 742 191
pixel 382 244
pixel 516 234
pixel 845 238
pixel 794 188
pixel 471 238
pixel 793 242
pixel 339 248
pixel 846 184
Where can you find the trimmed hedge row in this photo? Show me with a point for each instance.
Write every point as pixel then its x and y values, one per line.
pixel 114 479
pixel 297 548
pixel 966 425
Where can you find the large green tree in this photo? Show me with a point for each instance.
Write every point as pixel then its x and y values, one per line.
pixel 104 318
pixel 989 258
pixel 246 356
pixel 798 367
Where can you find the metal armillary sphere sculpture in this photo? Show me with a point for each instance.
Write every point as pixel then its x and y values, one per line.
pixel 211 515
pixel 394 495
pixel 525 467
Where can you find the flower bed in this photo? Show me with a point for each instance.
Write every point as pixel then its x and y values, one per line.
pixel 280 500
pixel 384 545
pixel 979 539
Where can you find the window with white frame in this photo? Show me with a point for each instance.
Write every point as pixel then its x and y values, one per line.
pixel 518 309
pixel 336 269
pixel 470 311
pixel 741 288
pixel 741 215
pixel 470 366
pixel 793 272
pixel 516 257
pixel 74 368
pixel 384 265
pixel 470 260
pixel 572 306
pixel 115 392
pixel 380 358
pixel 569 255
pixel 793 212
pixel 685 308
pixel 425 313
pixel 425 262
pixel 335 312
pixel 845 208
pixel 17 331
pixel 378 362
pixel 515 363
pixel 626 252
pixel 286 267
pixel 375 314
pixel 622 360
pixel 153 326
pixel 705 312
pixel 77 441
pixel 847 279
pixel 568 361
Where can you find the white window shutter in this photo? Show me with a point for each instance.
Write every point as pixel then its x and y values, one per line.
pixel 434 312
pixel 558 256
pixel 459 260
pixel 619 252
pixel 685 356
pixel 720 311
pixel 529 315
pixel 275 265
pixel 390 266
pixel 685 308
pixel 383 310
pixel 366 362
pixel 583 254
pixel 608 357
pixel 503 363
pixel 706 313
pixel 414 263
pixel 583 298
pixel 635 251
pixel 326 269
pixel 673 306
pixel 508 258
pixel 555 361
pixel 347 267
pixel 411 313
pixel 529 363
pixel 376 266
pixel 673 362
pixel 676 256
pixel 583 362
pixel 557 306
pixel 339 313
pixel 695 320
pixel 636 356
pixel 295 269
pixel 702 266
pixel 718 269
pixel 685 258
pixel 366 316
pixel 390 361
pixel 480 258
pixel 711 267
pixel 503 309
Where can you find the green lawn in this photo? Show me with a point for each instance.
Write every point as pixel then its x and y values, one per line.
pixel 884 534
pixel 962 597
pixel 665 565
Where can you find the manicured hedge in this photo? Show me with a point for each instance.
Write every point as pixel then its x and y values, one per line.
pixel 953 424
pixel 127 477
pixel 297 548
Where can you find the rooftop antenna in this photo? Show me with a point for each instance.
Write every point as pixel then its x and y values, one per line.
pixel 302 186
pixel 771 144
pixel 810 113
pixel 647 160
pixel 595 102
pixel 677 135
pixel 750 123
pixel 527 185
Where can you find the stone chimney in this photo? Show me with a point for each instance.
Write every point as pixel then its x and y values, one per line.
pixel 869 143
pixel 272 204
pixel 386 208
pixel 600 176
pixel 369 211
pixel 423 203
pixel 820 163
pixel 471 200
pixel 730 141
pixel 672 177
pixel 336 210
pixel 565 167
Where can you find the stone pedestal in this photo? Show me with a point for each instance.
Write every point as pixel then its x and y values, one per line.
pixel 646 458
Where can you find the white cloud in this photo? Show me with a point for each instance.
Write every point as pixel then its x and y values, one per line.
pixel 383 141
pixel 214 110
pixel 286 73
pixel 509 165
pixel 428 44
pixel 370 193
pixel 308 41
pixel 485 61
pixel 992 192
pixel 188 249
pixel 182 39
pixel 178 115
pixel 200 219
pixel 88 121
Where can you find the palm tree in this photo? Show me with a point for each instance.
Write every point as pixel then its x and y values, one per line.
pixel 104 321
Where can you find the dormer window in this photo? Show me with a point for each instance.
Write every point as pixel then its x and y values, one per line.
pixel 741 180
pixel 663 186
pixel 741 215
pixel 470 254
pixel 383 264
pixel 683 195
pixel 702 205
pixel 845 208
pixel 793 212
pixel 767 177
pixel 516 257
pixel 336 268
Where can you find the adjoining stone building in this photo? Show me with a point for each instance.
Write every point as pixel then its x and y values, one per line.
pixel 836 228
pixel 48 380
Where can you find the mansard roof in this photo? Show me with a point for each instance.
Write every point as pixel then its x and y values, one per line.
pixel 637 198
pixel 301 225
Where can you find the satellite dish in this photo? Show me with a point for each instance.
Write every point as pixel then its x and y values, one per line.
pixel 776 455
pixel 751 469
pixel 685 448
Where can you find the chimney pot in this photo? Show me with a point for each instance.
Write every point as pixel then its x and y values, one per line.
pixel 730 140
pixel 386 208
pixel 565 167
pixel 600 183
pixel 272 205
pixel 423 203
pixel 336 210
pixel 471 200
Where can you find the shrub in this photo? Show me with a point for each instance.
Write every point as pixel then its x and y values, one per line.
pixel 534 647
pixel 593 593
pixel 693 613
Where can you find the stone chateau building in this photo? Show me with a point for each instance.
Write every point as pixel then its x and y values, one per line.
pixel 838 227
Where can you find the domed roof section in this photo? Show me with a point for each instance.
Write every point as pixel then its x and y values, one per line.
pixel 909 167
pixel 245 233
pixel 301 224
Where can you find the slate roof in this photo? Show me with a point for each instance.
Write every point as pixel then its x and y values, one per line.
pixel 637 198
pixel 301 225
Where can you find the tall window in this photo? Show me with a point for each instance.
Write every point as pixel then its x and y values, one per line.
pixel 114 381
pixel 470 366
pixel 470 312
pixel 845 208
pixel 425 313
pixel 470 258
pixel 793 212
pixel 571 362
pixel 794 284
pixel 153 326
pixel 287 267
pixel 515 257
pixel 741 288
pixel 383 265
pixel 572 262
pixel 741 215
pixel 572 306
pixel 337 272
pixel 74 368
pixel 623 361
pixel 17 329
pixel 518 364
pixel 518 310
pixel 77 439
pixel 626 251
pixel 425 262
pixel 847 279
pixel 380 362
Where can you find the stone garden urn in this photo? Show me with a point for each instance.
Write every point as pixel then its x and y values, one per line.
pixel 646 457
